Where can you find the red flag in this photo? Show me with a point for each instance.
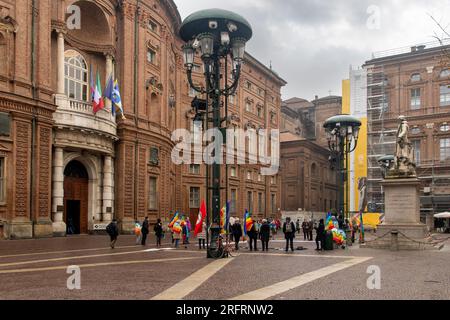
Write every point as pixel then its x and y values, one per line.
pixel 201 217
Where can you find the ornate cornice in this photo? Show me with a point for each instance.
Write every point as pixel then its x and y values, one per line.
pixel 25 107
pixel 89 47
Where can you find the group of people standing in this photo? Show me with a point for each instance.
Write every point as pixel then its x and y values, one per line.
pixel 184 235
pixel 262 230
pixel 141 232
pixel 307 227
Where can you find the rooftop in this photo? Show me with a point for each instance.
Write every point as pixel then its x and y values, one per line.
pixel 410 51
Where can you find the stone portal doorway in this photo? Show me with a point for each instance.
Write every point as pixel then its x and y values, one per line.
pixel 76 196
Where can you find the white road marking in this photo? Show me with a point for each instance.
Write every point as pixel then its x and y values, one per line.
pixel 91 265
pixel 67 251
pixel 191 283
pixel 298 255
pixel 295 282
pixel 71 258
pixel 160 249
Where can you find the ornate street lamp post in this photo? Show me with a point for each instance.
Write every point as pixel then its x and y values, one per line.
pixel 342 134
pixel 218 35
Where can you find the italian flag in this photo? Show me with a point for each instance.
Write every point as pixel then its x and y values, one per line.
pixel 98 103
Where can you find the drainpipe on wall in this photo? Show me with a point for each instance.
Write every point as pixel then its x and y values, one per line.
pixel 135 102
pixel 33 123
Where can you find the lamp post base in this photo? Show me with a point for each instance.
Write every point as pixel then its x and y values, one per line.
pixel 216 253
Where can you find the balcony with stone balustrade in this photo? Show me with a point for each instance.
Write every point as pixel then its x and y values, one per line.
pixel 79 115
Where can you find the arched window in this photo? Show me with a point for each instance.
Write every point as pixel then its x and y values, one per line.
pixel 76 76
pixel 445 73
pixel 415 77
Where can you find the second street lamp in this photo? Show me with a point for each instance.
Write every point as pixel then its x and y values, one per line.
pixel 219 35
pixel 342 134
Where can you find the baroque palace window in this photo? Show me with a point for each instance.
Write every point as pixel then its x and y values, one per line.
pixel 76 76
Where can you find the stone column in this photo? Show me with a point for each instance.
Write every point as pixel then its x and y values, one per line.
pixel 61 99
pixel 60 89
pixel 59 227
pixel 107 189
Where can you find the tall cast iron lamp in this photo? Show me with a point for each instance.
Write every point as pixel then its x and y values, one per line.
pixel 219 36
pixel 342 134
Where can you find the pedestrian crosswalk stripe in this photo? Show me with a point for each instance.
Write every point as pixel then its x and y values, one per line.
pixel 191 283
pixel 295 282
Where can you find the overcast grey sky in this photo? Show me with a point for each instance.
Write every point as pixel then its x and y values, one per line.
pixel 312 43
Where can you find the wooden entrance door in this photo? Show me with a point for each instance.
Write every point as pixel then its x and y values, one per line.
pixel 76 197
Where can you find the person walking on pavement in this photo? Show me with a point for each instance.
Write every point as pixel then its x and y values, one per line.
pixel 310 229
pixel 145 231
pixel 236 230
pixel 320 235
pixel 177 235
pixel 289 233
pixel 137 232
pixel 305 229
pixel 201 236
pixel 188 229
pixel 158 228
pixel 297 226
pixel 113 232
pixel 253 236
pixel 264 234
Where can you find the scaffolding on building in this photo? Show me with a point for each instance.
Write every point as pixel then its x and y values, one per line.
pixel 434 173
pixel 380 141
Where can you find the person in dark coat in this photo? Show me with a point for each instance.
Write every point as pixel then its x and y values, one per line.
pixel 297 226
pixel 236 230
pixel 158 232
pixel 305 229
pixel 113 232
pixel 253 236
pixel 320 236
pixel 289 233
pixel 310 230
pixel 264 235
pixel 145 231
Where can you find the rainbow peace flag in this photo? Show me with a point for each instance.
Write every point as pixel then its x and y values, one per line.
pixel 248 222
pixel 174 219
pixel 177 227
pixel 329 225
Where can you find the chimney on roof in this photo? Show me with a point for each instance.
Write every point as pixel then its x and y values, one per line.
pixel 317 97
pixel 413 49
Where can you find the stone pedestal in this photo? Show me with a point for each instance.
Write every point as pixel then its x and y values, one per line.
pixel 402 229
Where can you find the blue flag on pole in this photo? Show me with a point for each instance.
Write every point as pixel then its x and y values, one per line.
pixel 109 93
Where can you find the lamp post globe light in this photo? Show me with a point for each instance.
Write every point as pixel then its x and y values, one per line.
pixel 218 35
pixel 342 135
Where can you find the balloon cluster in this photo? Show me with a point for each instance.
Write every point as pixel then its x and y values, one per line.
pixel 332 225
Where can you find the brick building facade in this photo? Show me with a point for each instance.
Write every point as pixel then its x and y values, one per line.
pixel 308 182
pixel 414 82
pixel 60 163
